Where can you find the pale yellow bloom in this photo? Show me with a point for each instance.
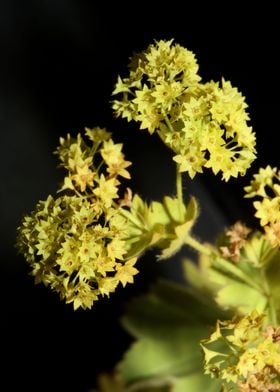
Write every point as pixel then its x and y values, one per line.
pixel 126 271
pixel 107 190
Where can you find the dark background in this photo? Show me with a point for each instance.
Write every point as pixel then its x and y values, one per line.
pixel 59 62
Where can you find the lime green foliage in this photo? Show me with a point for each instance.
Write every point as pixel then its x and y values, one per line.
pixel 168 324
pixel 245 354
pixel 266 186
pixel 243 285
pixel 164 225
pixel 115 383
pixel 204 124
pixel 76 243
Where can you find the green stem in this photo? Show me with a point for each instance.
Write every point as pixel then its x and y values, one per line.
pixel 193 243
pixel 270 303
pixel 272 312
pixel 168 123
pixel 179 187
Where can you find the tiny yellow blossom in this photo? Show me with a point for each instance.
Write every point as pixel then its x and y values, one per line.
pixel 260 180
pixel 83 177
pixel 125 272
pixel 111 152
pixel 272 232
pixel 268 210
pixel 97 134
pixel 107 190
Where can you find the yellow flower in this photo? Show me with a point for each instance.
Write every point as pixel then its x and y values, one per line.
pixel 114 159
pixel 119 169
pixel 150 119
pixel 268 210
pixel 144 99
pixel 84 296
pixel 111 152
pixel 126 271
pixel 191 161
pixel 83 177
pixel 220 160
pixel 104 264
pixel 165 94
pixel 97 134
pixel 107 190
pixel 272 232
pixel 116 249
pixel 107 285
pixel 260 180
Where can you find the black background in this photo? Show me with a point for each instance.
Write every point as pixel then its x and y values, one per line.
pixel 59 62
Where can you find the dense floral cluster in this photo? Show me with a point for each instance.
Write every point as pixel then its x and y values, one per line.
pixel 266 185
pixel 246 353
pixel 75 243
pixel 204 124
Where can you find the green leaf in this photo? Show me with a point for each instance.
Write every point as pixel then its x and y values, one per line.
pixel 139 236
pixel 235 286
pixel 174 208
pixel 181 231
pixel 241 297
pixel 197 382
pixel 164 225
pixel 166 307
pixel 158 214
pixel 150 358
pixel 138 244
pixel 241 272
pixel 175 245
pixel 239 286
pixel 258 251
pixel 139 211
pixel 197 274
pixel 169 324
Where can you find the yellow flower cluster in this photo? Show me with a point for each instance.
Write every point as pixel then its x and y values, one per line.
pixel 76 243
pixel 266 185
pixel 204 124
pixel 245 353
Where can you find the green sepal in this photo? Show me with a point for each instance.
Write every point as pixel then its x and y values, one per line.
pixel 163 225
pixel 258 251
pixel 181 231
pixel 139 235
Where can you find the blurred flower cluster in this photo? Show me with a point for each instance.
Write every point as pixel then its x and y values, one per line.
pixel 244 352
